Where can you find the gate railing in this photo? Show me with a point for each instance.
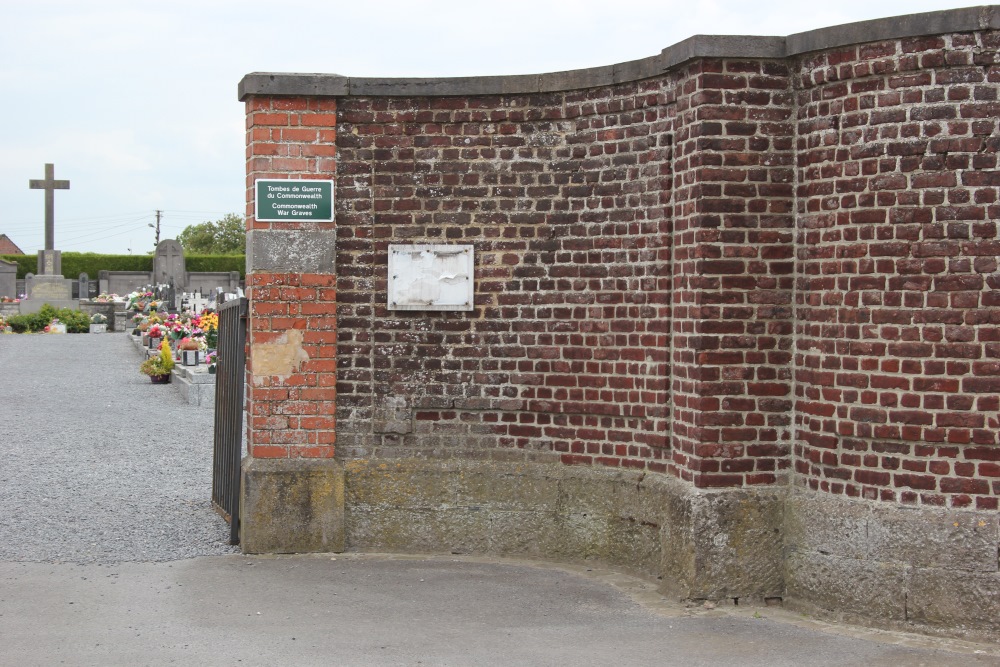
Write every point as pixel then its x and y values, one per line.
pixel 230 376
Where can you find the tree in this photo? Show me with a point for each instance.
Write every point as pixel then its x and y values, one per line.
pixel 221 237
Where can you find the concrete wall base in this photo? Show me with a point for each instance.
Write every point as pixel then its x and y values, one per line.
pixel 292 506
pixel 915 569
pixel 700 544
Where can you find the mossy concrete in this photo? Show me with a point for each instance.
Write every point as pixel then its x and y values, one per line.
pixel 292 506
pixel 905 568
pixel 700 544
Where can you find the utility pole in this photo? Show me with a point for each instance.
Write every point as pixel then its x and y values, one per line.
pixel 158 212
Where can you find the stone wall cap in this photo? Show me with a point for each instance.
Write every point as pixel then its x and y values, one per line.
pixel 910 25
pixel 968 19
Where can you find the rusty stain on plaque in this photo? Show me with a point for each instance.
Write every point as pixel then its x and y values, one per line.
pixel 431 277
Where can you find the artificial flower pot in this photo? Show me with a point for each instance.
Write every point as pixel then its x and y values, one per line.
pixel 160 379
pixel 98 328
pixel 189 357
pixel 211 369
pixel 154 343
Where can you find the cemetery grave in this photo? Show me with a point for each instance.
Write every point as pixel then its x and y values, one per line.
pixel 188 338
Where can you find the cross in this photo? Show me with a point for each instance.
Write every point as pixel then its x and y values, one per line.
pixel 50 185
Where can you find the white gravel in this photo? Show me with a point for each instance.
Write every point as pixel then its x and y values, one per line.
pixel 98 465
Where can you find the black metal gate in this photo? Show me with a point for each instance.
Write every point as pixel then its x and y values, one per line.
pixel 230 376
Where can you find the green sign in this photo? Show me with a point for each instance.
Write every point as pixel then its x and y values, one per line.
pixel 287 200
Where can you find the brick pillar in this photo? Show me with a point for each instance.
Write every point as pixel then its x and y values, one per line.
pixel 292 487
pixel 733 274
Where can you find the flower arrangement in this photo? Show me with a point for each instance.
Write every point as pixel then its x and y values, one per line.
pixel 207 321
pixel 7 299
pixel 212 359
pixel 160 364
pixel 189 344
pixel 178 331
pixel 138 319
pixel 104 297
pixel 55 326
pixel 156 331
pixel 98 318
pixel 138 300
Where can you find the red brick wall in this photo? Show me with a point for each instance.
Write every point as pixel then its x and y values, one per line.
pixel 291 416
pixel 732 289
pixel 566 200
pixel 742 272
pixel 898 326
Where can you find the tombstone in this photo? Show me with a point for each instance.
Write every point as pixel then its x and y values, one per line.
pixel 53 290
pixel 8 279
pixel 84 286
pixel 170 297
pixel 215 297
pixel 194 302
pixel 168 264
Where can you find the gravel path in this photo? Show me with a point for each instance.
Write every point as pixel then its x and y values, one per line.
pixel 98 464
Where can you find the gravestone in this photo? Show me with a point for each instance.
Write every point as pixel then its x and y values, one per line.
pixel 193 301
pixel 84 283
pixel 170 297
pixel 168 264
pixel 42 289
pixel 8 279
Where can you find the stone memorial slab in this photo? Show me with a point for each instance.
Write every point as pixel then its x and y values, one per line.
pixel 168 264
pixel 8 279
pixel 49 288
pixel 84 282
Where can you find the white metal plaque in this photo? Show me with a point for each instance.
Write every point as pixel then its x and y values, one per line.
pixel 431 277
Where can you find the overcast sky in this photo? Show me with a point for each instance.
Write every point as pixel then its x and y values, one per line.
pixel 135 102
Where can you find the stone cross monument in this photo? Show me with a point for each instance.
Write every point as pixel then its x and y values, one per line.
pixel 48 286
pixel 49 263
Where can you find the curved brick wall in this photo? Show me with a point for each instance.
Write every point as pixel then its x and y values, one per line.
pixel 735 320
pixel 566 198
pixel 898 362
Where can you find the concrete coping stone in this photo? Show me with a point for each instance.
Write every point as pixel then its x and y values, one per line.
pixel 986 17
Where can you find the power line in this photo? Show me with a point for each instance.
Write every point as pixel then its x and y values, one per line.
pixel 101 231
pixel 127 231
pixel 92 222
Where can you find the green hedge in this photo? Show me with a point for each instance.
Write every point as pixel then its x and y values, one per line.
pixel 92 263
pixel 76 321
pixel 223 263
pixel 25 263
